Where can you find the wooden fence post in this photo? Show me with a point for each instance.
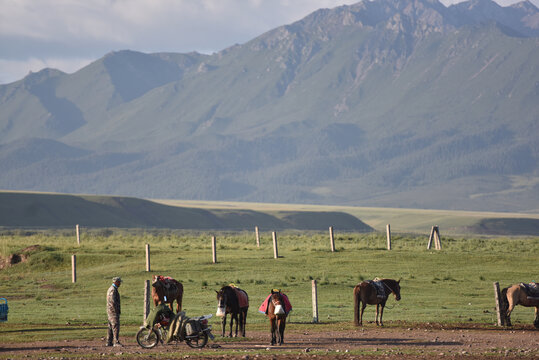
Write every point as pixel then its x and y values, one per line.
pixel 388 230
pixel 78 234
pixel 500 315
pixel 214 249
pixel 147 293
pixel 434 235
pixel 315 302
pixel 148 257
pixel 257 237
pixel 74 268
pixel 331 239
pixel 437 242
pixel 275 250
pixel 431 236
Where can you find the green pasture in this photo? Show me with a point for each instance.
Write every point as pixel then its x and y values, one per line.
pixel 453 285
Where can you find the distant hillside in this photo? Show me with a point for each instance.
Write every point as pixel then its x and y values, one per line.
pixel 507 226
pixel 62 211
pixel 385 103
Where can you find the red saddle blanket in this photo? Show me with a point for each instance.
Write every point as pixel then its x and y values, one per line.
pixel 166 280
pixel 243 299
pixel 264 306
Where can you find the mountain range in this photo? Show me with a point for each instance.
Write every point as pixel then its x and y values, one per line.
pixel 397 103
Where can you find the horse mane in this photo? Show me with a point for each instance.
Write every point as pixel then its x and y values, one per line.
pixel 232 297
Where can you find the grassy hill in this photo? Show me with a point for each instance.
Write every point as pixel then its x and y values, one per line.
pixel 45 210
pixel 19 209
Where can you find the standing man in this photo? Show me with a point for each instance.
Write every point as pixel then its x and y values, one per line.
pixel 113 312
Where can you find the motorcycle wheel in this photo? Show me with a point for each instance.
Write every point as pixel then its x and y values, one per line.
pixel 147 338
pixel 198 342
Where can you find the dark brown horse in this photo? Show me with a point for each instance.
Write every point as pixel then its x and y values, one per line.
pixel 277 317
pixel 366 293
pixel 165 289
pixel 234 301
pixel 517 295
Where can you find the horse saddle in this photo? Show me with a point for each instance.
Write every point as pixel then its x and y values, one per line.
pixel 379 286
pixel 531 289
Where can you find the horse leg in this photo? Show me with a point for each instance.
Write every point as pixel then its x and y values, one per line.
pixel 237 323
pixel 243 322
pixel 233 317
pixel 536 321
pixel 377 312
pixel 240 321
pixel 223 323
pixel 282 325
pixel 381 314
pixel 363 306
pixel 273 326
pixel 508 312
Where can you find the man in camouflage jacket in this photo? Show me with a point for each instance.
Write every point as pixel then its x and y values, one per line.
pixel 113 312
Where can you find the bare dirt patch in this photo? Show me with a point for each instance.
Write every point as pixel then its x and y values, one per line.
pixel 20 257
pixel 371 342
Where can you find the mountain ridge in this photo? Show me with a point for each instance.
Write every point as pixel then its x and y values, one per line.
pixel 373 103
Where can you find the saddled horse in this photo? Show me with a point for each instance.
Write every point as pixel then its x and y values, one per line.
pixel 516 295
pixel 230 301
pixel 277 317
pixel 165 289
pixel 366 293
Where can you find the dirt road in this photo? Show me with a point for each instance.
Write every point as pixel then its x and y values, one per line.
pixel 371 342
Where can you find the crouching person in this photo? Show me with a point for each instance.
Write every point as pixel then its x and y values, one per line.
pixel 159 312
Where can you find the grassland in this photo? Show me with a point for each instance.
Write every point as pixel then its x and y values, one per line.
pixel 417 221
pixel 449 286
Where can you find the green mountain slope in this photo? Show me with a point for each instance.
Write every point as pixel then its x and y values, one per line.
pixel 382 103
pixel 64 211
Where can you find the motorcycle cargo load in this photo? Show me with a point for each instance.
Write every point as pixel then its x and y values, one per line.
pixel 193 327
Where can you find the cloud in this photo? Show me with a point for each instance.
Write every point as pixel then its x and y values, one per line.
pixel 10 67
pixel 67 33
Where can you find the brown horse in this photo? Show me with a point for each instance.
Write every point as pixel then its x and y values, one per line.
pixel 516 295
pixel 228 302
pixel 366 293
pixel 167 290
pixel 277 317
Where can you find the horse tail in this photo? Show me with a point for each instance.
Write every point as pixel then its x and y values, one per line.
pixel 503 301
pixel 357 302
pixel 179 296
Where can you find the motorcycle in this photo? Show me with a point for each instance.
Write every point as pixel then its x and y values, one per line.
pixel 194 331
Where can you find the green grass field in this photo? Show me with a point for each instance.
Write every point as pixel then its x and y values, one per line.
pixel 453 285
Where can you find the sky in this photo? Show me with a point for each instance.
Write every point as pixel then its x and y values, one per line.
pixel 69 34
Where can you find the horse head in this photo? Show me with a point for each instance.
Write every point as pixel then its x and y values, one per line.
pixel 278 304
pixel 396 288
pixel 221 298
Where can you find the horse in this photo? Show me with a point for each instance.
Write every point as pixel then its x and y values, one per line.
pixel 516 295
pixel 365 293
pixel 277 317
pixel 167 292
pixel 228 302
